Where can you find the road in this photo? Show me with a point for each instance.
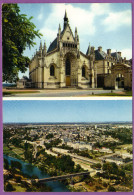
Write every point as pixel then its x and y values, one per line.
pixel 68 92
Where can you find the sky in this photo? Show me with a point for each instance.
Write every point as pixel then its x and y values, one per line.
pixel 101 24
pixel 67 111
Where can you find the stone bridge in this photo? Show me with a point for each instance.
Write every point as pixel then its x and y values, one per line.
pixel 62 177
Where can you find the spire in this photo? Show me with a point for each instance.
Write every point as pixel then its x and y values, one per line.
pixel 59 29
pixel 65 19
pixel 40 45
pixel 45 48
pixel 76 36
pixel 88 50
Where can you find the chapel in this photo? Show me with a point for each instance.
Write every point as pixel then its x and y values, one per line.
pixel 64 65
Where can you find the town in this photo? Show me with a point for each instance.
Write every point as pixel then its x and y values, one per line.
pixel 102 149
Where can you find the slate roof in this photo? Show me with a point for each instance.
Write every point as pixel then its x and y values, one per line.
pixel 100 55
pixel 52 46
pixel 88 50
pixel 116 55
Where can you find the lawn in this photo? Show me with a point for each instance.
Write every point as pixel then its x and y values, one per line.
pixel 125 93
pixel 12 151
pixel 17 92
pixel 19 188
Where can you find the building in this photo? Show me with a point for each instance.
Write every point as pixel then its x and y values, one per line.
pixel 64 65
pixel 24 83
pixel 113 71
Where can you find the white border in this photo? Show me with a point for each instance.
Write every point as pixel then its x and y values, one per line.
pixel 67 98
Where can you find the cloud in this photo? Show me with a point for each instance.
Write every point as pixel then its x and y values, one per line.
pixel 100 8
pixel 78 17
pixel 84 19
pixel 127 53
pixel 117 19
pixel 41 15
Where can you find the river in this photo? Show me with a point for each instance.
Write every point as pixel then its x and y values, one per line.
pixel 30 170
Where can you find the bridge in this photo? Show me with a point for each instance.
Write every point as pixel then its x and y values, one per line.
pixel 62 177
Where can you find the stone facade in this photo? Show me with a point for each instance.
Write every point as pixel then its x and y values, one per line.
pixel 64 65
pixel 113 71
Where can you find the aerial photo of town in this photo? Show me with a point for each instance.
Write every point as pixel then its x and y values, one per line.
pixel 83 157
pixel 46 151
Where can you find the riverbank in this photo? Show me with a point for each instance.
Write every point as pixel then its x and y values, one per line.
pixel 27 173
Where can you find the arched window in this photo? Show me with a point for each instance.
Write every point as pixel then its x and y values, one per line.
pixel 83 71
pixel 68 67
pixel 52 70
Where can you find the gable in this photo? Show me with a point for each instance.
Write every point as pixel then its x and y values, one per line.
pixel 67 35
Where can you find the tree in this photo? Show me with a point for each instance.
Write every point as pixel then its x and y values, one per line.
pixel 18 33
pixel 49 136
pixel 6 164
pixel 16 164
pixel 111 189
pixel 9 188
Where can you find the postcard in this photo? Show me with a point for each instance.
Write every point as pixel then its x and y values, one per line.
pixel 66 108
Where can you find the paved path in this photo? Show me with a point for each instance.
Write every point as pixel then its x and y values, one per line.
pixel 62 93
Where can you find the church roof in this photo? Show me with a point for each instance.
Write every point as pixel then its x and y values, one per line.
pixel 52 46
pixel 100 55
pixel 88 50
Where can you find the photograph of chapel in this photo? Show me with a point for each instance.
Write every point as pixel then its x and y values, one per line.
pixel 64 65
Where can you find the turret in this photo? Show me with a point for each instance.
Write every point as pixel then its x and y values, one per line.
pixel 76 34
pixel 44 49
pixel 58 37
pixel 40 48
pixel 59 30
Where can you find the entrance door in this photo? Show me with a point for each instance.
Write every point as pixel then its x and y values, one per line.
pixel 119 82
pixel 68 72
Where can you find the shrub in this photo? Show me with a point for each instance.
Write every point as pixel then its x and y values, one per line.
pixel 111 189
pixel 9 188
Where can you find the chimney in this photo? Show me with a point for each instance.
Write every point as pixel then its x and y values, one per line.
pixel 99 48
pixel 109 51
pixel 119 53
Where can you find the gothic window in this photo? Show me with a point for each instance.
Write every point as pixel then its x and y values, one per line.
pixel 68 67
pixel 52 70
pixel 83 71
